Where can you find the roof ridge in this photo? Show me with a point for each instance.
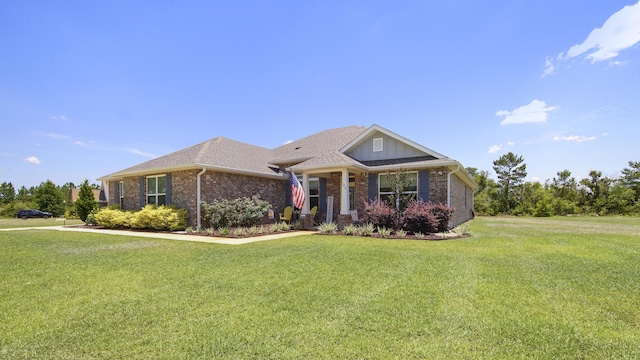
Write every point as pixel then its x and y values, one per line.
pixel 204 149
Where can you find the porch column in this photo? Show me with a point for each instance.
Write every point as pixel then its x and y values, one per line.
pixel 344 193
pixel 305 187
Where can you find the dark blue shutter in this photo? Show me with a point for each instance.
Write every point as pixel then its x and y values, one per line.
pixel 287 193
pixel 322 195
pixel 423 185
pixel 168 184
pixel 373 187
pixel 116 192
pixel 142 194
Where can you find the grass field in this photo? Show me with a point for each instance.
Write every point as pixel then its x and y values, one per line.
pixel 10 223
pixel 519 288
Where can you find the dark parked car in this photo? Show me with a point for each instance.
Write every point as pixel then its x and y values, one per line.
pixel 25 214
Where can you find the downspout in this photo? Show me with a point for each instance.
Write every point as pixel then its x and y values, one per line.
pixel 449 184
pixel 199 197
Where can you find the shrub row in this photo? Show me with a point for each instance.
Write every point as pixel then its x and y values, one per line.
pixel 244 212
pixel 417 217
pixel 150 217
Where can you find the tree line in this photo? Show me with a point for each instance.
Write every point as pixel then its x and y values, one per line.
pixel 48 197
pixel 596 194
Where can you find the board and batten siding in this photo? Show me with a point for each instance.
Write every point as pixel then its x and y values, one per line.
pixel 391 149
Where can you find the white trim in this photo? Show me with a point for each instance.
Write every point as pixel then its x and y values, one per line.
pixel 391 134
pixel 157 193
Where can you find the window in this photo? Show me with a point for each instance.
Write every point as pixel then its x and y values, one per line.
pixel 121 192
pixel 314 192
pixel 387 183
pixel 157 190
pixel 378 144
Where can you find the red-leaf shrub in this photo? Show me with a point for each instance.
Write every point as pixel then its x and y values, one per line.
pixel 380 214
pixel 443 214
pixel 418 218
pixel 421 217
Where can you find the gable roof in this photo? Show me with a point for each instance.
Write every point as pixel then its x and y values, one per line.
pixel 377 128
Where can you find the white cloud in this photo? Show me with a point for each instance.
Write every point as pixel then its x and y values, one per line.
pixel 619 32
pixel 510 143
pixel 56 136
pixel 494 149
pixel 287 142
pixel 80 143
pixel 549 67
pixel 60 118
pixel 32 160
pixel 534 112
pixel 576 138
pixel 139 152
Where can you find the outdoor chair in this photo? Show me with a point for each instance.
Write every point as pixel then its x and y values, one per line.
pixel 313 212
pixel 286 215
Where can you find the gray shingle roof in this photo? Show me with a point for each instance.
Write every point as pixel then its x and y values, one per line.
pixel 315 145
pixel 218 152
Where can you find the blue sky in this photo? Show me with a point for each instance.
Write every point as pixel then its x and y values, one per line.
pixel 89 88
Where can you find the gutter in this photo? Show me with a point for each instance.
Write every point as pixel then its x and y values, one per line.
pixel 199 196
pixel 449 184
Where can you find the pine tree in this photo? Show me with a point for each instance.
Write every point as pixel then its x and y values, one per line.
pixel 511 172
pixel 86 202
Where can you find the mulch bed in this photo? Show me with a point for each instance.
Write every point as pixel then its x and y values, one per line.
pixel 430 237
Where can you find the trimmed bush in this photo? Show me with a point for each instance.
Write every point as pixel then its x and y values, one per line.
pixel 161 218
pixel 244 212
pixel 379 214
pixel 425 217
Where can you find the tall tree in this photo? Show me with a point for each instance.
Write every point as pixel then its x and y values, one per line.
pixel 23 194
pixel 511 171
pixel 49 198
pixel 595 189
pixel 86 202
pixel 631 178
pixel 7 193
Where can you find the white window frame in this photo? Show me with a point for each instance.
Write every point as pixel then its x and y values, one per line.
pixel 156 193
pixel 121 193
pixel 317 196
pixel 380 193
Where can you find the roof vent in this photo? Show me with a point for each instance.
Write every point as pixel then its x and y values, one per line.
pixel 378 144
pixel 297 148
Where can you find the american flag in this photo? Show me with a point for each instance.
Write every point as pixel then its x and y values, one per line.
pixel 297 193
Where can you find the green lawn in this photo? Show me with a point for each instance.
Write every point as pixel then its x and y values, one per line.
pixel 519 288
pixel 11 223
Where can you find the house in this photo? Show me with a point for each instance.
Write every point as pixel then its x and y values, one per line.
pixel 98 195
pixel 339 170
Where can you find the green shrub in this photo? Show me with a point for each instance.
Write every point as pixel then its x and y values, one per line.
pixel 91 218
pixel 350 229
pixel 161 218
pixel 328 228
pixel 240 232
pixel 366 229
pixel 384 232
pixel 224 231
pixel 239 212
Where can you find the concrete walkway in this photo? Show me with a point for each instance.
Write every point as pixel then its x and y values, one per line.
pixel 170 236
